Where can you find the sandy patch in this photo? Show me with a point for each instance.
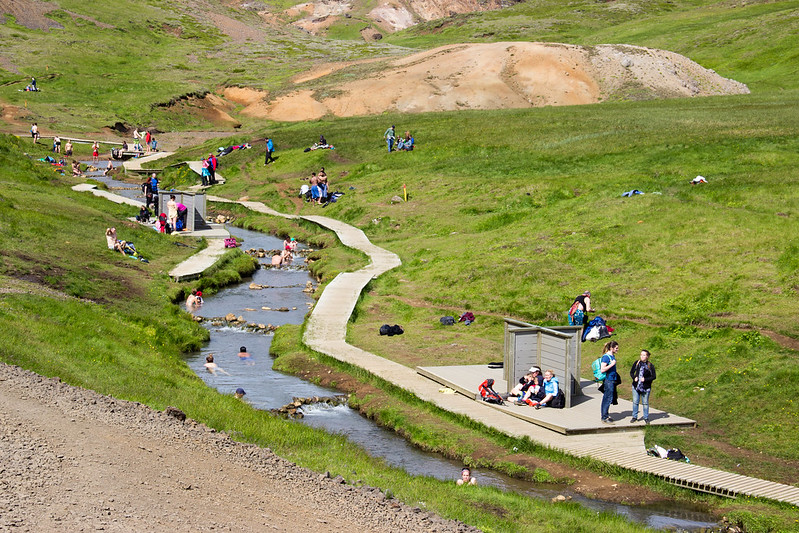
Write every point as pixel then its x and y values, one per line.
pixel 244 95
pixel 508 75
pixel 30 13
pixel 297 106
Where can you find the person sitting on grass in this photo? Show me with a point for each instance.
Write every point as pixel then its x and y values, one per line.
pixel 76 169
pixel 144 215
pixel 466 477
pixel 111 238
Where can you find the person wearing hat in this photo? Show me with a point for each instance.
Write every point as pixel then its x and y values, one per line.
pixel 239 393
pixel 578 314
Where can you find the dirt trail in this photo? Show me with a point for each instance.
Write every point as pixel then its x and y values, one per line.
pixel 74 460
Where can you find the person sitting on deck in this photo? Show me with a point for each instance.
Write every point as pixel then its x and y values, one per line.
pixel 550 388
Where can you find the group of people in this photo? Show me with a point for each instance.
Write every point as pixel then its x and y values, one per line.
pixel 316 190
pixel 398 144
pixel 209 165
pixel 642 374
pixel 177 213
pixel 194 300
pixel 144 137
pixel 286 255
pixel 535 389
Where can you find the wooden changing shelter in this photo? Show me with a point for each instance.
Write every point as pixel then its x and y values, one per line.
pixel 556 348
pixel 194 202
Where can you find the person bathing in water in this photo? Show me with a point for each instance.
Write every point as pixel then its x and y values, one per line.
pixel 212 367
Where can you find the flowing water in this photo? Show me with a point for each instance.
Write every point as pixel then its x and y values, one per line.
pixel 269 389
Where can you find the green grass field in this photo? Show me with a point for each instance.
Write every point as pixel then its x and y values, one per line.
pixel 510 213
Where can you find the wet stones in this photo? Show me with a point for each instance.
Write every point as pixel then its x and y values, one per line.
pixel 232 320
pixel 294 409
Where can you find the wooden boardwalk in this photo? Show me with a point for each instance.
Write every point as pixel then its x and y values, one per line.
pixel 582 417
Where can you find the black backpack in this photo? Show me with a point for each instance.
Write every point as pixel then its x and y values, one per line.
pixel 559 401
pixel 385 329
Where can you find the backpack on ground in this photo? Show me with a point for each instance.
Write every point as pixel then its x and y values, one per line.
pixel 396 329
pixel 447 320
pixel 488 394
pixel 559 401
pixel 595 367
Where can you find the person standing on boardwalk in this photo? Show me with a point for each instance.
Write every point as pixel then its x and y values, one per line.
pixel 172 212
pixel 642 374
pixel 389 136
pixel 270 149
pixel 607 366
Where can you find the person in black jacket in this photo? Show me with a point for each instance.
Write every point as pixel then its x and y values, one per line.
pixel 642 374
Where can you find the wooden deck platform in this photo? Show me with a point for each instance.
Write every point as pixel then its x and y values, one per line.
pixel 582 417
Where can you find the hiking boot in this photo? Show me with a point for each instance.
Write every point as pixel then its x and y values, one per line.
pixel 633 420
pixel 646 421
pixel 608 421
pixel 519 402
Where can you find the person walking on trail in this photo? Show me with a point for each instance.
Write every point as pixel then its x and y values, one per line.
pixel 607 366
pixel 212 163
pixel 35 132
pixel 578 314
pixel 389 135
pixel 270 149
pixel 642 374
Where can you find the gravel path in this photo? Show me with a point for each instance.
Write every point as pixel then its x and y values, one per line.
pixel 74 460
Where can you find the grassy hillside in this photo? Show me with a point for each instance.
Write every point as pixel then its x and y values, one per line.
pixel 511 213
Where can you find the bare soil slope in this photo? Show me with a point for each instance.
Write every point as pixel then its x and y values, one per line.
pixel 74 460
pixel 508 75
